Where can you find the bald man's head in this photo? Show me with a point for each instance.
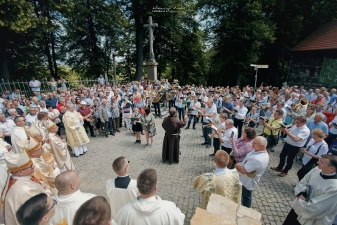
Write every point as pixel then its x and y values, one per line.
pixel 67 182
pixel 260 143
pixel 104 101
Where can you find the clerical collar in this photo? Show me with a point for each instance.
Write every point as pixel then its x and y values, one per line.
pixel 220 171
pixel 123 176
pixel 328 176
pixel 21 177
pixel 67 196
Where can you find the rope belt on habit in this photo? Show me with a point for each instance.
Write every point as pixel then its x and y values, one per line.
pixel 173 134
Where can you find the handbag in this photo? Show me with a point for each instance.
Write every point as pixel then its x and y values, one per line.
pixel 153 130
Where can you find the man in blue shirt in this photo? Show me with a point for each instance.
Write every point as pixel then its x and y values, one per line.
pixel 101 80
pixel 217 101
pixel 52 101
pixel 227 106
pixel 332 95
pixel 318 124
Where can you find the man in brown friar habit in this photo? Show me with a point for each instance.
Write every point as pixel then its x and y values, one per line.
pixel 172 126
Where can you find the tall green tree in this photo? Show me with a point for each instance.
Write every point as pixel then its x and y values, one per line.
pixel 239 29
pixel 91 29
pixel 16 17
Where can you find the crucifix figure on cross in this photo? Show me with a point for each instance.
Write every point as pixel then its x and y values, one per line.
pixel 151 27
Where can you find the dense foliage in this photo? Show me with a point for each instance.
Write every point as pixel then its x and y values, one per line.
pixel 202 42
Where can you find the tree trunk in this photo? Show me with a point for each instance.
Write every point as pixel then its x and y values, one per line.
pixel 4 72
pixel 238 79
pixel 173 73
pixel 47 52
pixel 94 64
pixel 139 40
pixel 54 57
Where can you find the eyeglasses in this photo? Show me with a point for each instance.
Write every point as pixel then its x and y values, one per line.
pixel 54 203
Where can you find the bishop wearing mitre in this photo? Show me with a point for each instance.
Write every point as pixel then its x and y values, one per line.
pixel 59 148
pixel 21 185
pixel 47 156
pixel 76 136
pixel 43 171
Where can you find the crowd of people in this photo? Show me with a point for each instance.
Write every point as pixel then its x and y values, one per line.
pixel 42 186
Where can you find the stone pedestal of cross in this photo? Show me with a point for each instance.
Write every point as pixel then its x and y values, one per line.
pixel 151 64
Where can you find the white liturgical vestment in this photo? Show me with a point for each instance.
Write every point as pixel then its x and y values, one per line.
pixel 19 134
pixel 22 190
pixel 67 206
pixel 150 211
pixel 119 196
pixel 3 166
pixel 320 207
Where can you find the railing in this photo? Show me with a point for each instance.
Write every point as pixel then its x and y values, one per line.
pixel 24 88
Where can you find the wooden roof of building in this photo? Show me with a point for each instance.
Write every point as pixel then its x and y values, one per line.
pixel 323 38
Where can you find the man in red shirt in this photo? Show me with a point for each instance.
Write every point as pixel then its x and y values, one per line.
pixel 61 103
pixel 86 112
pixel 318 100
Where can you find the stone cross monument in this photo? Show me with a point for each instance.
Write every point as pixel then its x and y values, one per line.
pixel 151 63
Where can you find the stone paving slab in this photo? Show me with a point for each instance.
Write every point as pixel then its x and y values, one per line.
pixel 272 197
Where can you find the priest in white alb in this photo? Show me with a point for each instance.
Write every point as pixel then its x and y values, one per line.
pixel 59 148
pixel 316 195
pixel 122 189
pixel 76 135
pixel 21 186
pixel 19 133
pixel 69 197
pixel 222 181
pixel 149 208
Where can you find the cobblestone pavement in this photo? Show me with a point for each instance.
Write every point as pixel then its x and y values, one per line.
pixel 272 197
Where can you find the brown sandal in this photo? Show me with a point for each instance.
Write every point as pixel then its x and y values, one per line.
pixel 275 168
pixel 282 174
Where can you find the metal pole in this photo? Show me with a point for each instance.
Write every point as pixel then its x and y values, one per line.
pixel 114 66
pixel 255 77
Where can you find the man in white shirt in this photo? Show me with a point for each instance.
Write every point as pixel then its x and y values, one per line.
pixel 34 85
pixel 42 106
pixel 297 136
pixel 149 208
pixel 252 168
pixel 32 116
pixel 121 190
pixel 206 130
pixel 69 197
pixel 6 127
pixel 179 98
pixel 224 138
pixel 195 106
pixel 239 116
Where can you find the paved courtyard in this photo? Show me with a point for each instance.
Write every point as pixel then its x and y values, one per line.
pixel 272 197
